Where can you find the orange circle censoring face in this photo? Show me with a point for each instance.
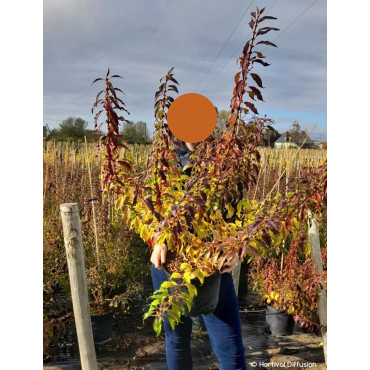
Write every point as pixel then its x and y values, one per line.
pixel 192 118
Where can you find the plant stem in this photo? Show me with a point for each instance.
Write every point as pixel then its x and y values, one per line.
pixel 93 208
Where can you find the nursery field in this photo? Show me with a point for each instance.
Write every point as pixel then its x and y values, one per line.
pixel 228 206
pixel 121 285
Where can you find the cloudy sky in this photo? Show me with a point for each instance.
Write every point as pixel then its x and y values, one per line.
pixel 142 39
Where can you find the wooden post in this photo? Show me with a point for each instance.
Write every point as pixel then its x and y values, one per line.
pixel 264 179
pixel 286 178
pixel 93 207
pixel 313 235
pixel 76 269
pixel 280 173
pixel 74 161
pixel 259 175
pixel 235 273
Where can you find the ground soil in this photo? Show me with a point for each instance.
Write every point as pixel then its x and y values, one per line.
pixel 147 353
pixel 135 346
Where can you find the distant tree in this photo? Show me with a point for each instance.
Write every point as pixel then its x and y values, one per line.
pixel 295 131
pixel 135 133
pixel 129 132
pixel 222 116
pixel 141 132
pixel 54 133
pixel 91 136
pixel 270 135
pixel 72 129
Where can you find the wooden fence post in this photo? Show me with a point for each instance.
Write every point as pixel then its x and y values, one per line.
pixel 74 165
pixel 235 273
pixel 313 235
pixel 76 269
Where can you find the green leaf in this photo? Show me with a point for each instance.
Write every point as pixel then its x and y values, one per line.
pixel 187 299
pixel 172 323
pixel 187 277
pixel 168 284
pixel 199 275
pixel 185 266
pixel 192 289
pixel 157 325
pixel 296 223
pixel 230 210
pixel 149 312
pixel 239 208
pixel 188 165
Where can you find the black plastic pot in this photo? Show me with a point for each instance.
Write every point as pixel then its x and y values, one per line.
pixel 206 300
pixel 298 329
pixel 279 322
pixel 198 323
pixel 102 327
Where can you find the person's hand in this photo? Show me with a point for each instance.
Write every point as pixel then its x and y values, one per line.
pixel 230 265
pixel 158 256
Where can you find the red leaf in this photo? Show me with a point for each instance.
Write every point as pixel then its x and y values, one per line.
pixel 266 43
pixel 116 88
pixel 164 162
pixel 179 226
pixel 236 78
pixel 149 203
pixel 173 87
pixel 188 219
pixel 266 17
pixel 240 87
pixel 97 79
pixel 125 164
pixel 251 107
pixel 260 61
pixel 173 80
pixel 257 92
pixel 264 30
pixel 289 221
pixel 257 79
pixel 162 175
pixel 262 244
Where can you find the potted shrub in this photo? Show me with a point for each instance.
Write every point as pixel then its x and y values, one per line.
pixel 112 262
pixel 112 281
pixel 284 275
pixel 204 219
pixel 115 279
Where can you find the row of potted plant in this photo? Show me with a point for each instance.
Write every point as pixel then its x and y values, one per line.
pixel 122 270
pixel 284 276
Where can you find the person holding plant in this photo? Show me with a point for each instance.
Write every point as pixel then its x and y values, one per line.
pixel 223 325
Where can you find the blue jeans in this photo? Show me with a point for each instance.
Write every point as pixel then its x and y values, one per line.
pixel 223 327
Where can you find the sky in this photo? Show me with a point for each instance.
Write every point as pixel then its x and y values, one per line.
pixel 202 39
